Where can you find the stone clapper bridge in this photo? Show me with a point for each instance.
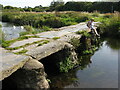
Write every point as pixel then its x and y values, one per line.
pixel 46 44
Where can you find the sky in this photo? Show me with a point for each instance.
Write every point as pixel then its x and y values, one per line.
pixel 33 3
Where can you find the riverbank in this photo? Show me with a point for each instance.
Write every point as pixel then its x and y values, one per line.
pixel 41 22
pixel 111 27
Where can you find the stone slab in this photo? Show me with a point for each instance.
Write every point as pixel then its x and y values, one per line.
pixel 23 42
pixel 10 63
pixel 46 50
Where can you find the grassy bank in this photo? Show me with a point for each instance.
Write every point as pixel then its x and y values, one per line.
pixel 52 20
pixel 1 34
pixel 111 27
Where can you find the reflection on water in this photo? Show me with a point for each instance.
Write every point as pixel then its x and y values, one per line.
pixel 96 71
pixel 113 43
pixel 10 31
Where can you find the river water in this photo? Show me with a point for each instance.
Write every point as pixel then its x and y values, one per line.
pixel 100 71
pixel 11 31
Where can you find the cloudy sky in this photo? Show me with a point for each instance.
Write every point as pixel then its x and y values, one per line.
pixel 32 3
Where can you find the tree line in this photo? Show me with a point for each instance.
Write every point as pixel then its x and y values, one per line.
pixel 102 7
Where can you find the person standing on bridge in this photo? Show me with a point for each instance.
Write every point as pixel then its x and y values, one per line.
pixel 90 25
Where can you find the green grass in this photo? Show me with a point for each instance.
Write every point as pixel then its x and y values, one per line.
pixel 0 26
pixel 111 26
pixel 84 33
pixel 6 44
pixel 88 52
pixel 44 20
pixel 46 28
pixel 15 48
pixel 55 38
pixel 28 28
pixel 21 52
pixel 44 42
pixel 1 36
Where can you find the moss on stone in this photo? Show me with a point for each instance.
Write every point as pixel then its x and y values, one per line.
pixel 55 38
pixel 21 52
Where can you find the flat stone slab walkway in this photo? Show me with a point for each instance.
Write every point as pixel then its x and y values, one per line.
pixel 10 62
pixel 51 34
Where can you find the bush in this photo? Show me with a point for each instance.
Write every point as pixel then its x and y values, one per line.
pixel 28 28
pixel 46 28
pixel 111 27
pixel 66 65
pixel 39 20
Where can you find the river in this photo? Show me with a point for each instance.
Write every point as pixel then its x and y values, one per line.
pixel 97 71
pixel 101 71
pixel 11 31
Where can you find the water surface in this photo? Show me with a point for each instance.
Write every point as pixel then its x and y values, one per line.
pixel 100 71
pixel 11 31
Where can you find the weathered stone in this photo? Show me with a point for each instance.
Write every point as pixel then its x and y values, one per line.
pixel 46 50
pixel 10 63
pixel 23 42
pixel 31 76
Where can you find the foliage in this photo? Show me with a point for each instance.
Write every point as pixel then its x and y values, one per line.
pixel 111 27
pixel 28 28
pixel 21 52
pixel 66 65
pixel 88 52
pixel 102 7
pixel 44 20
pixel 0 26
pixel 75 42
pixel 6 44
pixel 84 33
pixel 44 42
pixel 1 36
pixel 46 28
pixel 55 38
pixel 58 5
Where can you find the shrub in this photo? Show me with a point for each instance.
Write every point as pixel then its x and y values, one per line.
pixel 75 42
pixel 54 22
pixel 66 65
pixel 38 20
pixel 111 27
pixel 28 28
pixel 46 28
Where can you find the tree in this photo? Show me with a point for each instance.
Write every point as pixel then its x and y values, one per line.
pixel 8 7
pixel 55 4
